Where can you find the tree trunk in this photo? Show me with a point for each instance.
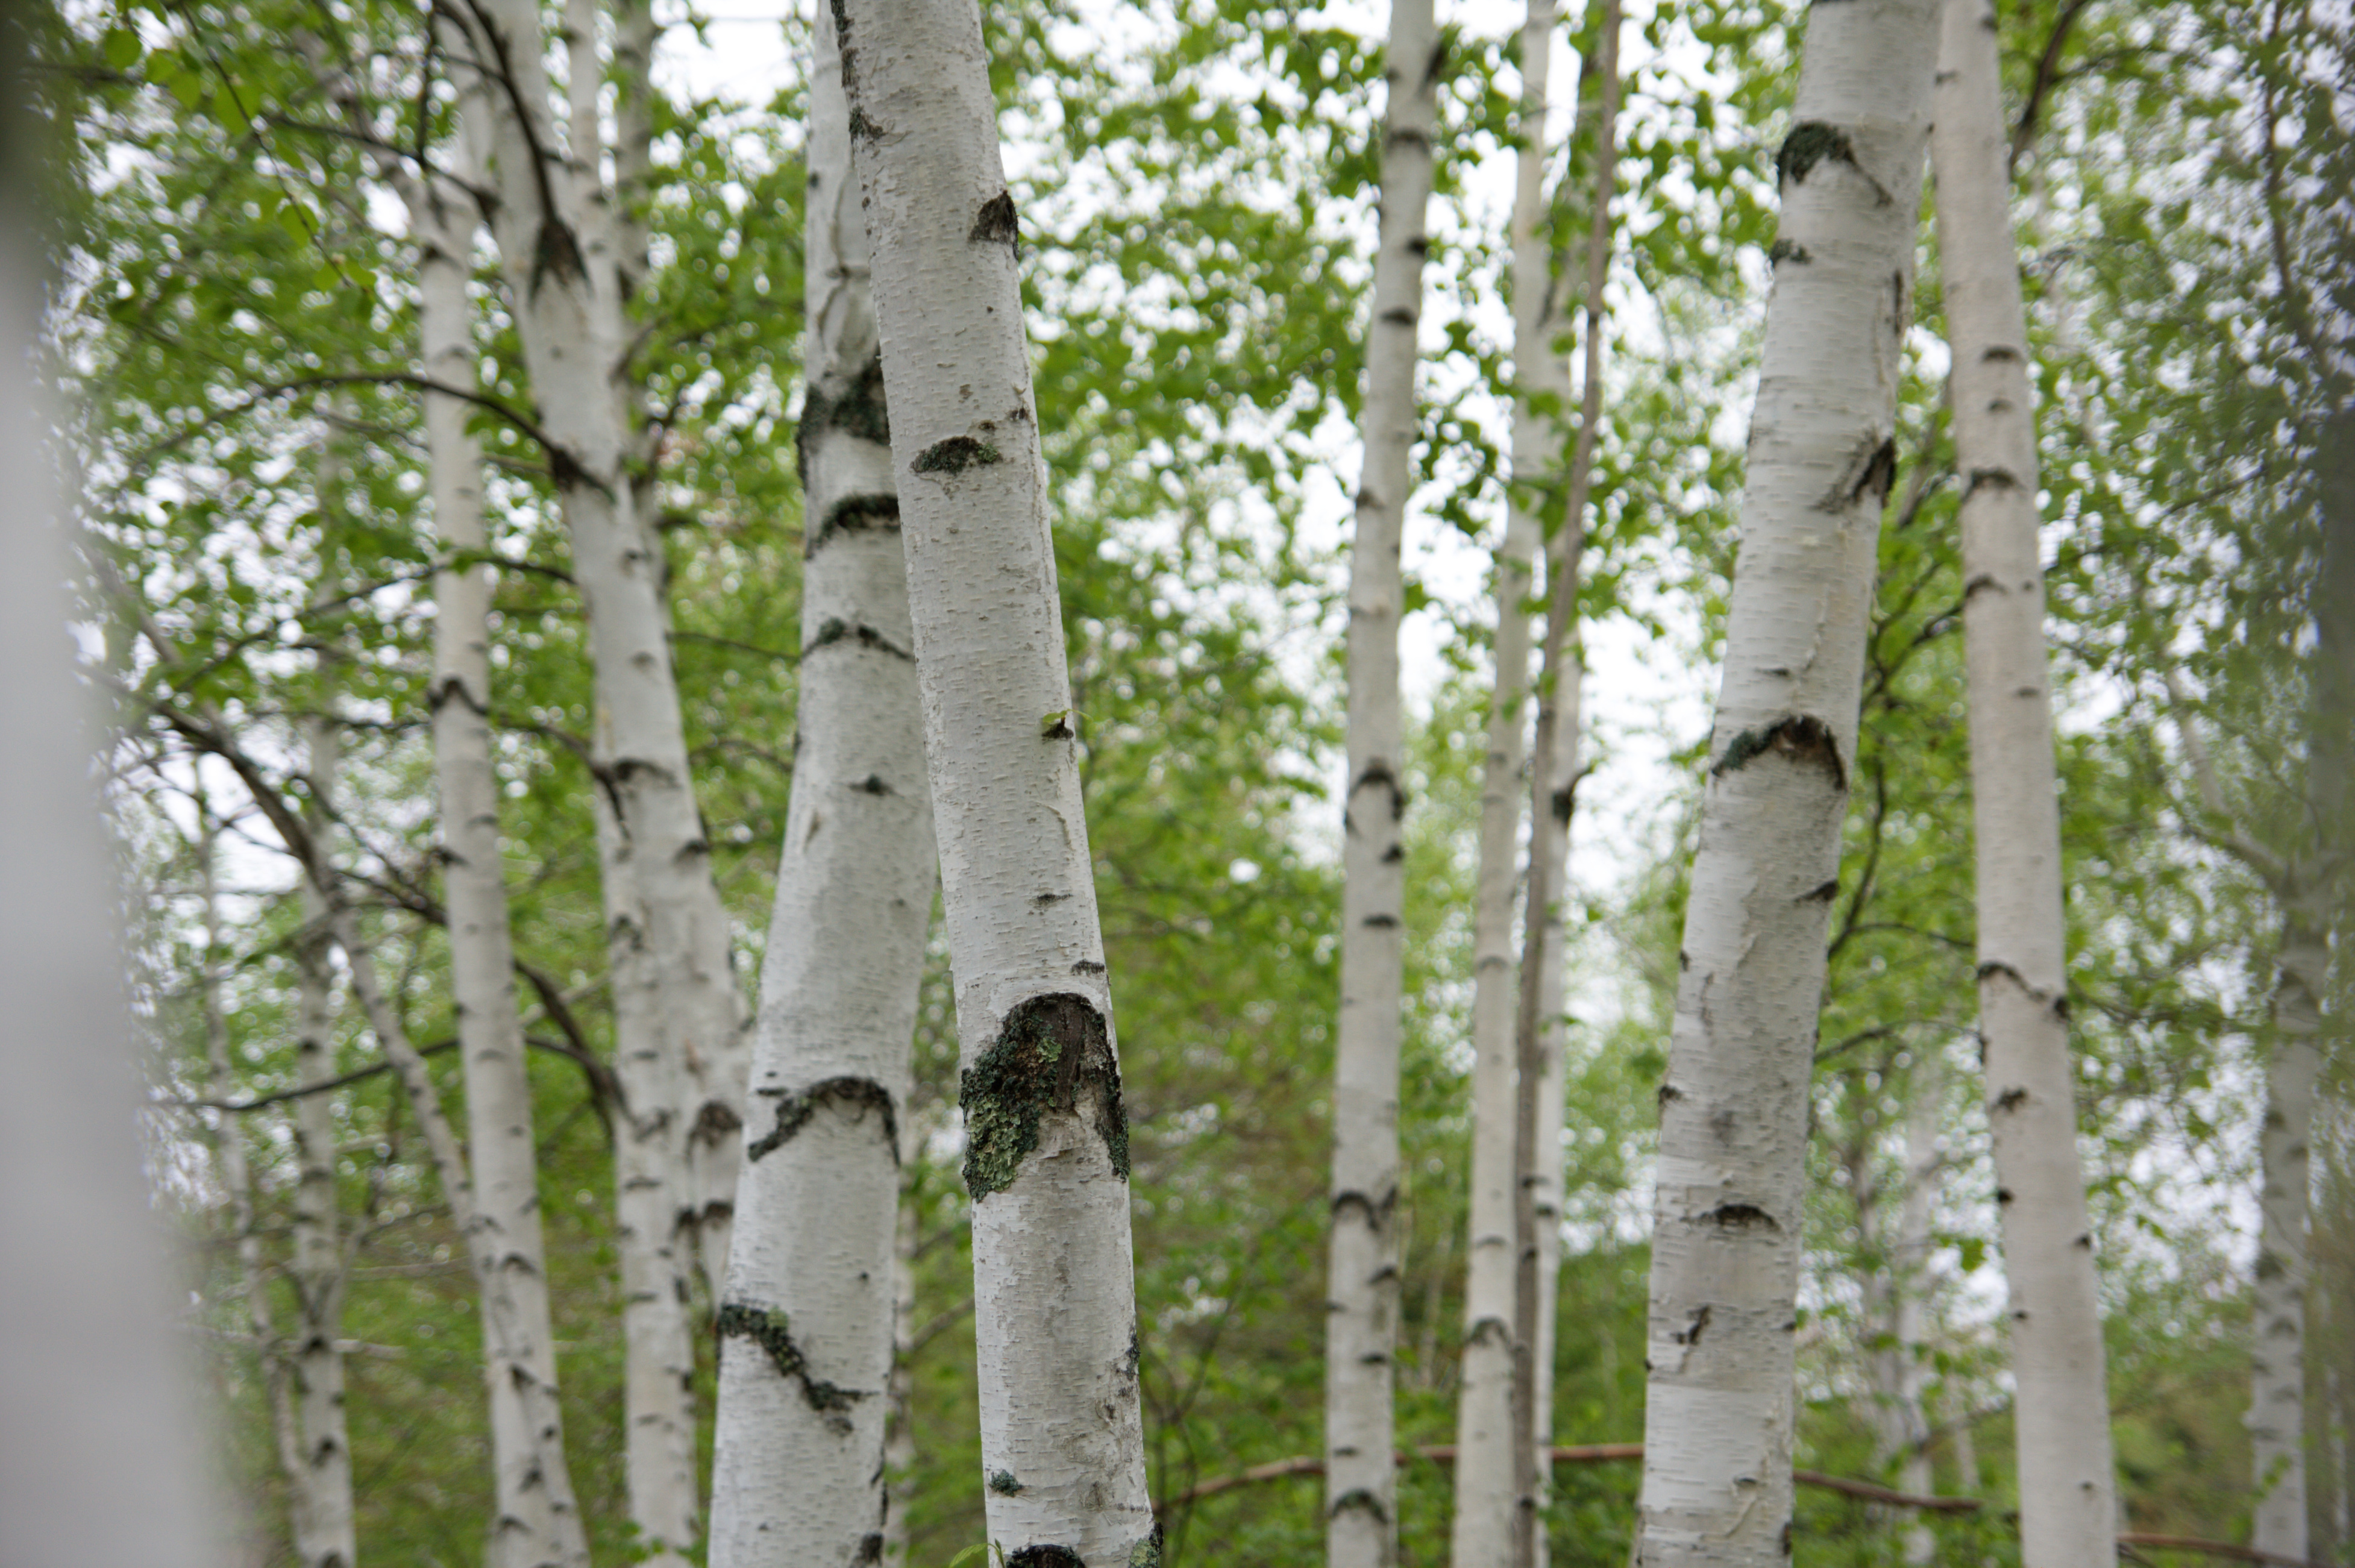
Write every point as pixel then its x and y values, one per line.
pixel 1361 1307
pixel 502 1152
pixel 237 1180
pixel 2067 1487
pixel 1046 1154
pixel 1728 1212
pixel 2277 1360
pixel 1483 1523
pixel 808 1321
pixel 678 1014
pixel 94 1418
pixel 899 1429
pixel 1539 1022
pixel 325 1532
pixel 1897 1310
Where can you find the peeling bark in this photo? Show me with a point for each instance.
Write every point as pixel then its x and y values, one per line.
pixel 1055 1311
pixel 2068 1498
pixel 1733 1122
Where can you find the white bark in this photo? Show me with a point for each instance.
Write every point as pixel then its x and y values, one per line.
pixel 2277 1395
pixel 1538 1029
pixel 1362 1269
pixel 325 1532
pixel 237 1180
pixel 1897 1302
pixel 898 1418
pixel 808 1320
pixel 2067 1486
pixel 95 1419
pixel 1047 1139
pixel 679 1018
pixel 1483 1521
pixel 1728 1214
pixel 501 1149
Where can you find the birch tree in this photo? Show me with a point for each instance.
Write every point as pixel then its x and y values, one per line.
pixel 1046 1155
pixel 2068 1495
pixel 1728 1209
pixel 676 1011
pixel 324 1529
pixel 809 1322
pixel 90 1391
pixel 1362 1269
pixel 1538 1024
pixel 1484 1430
pixel 499 1121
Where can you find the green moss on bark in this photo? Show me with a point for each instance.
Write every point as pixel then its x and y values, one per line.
pixel 1053 1055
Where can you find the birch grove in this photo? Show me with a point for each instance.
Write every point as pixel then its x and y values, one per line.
pixel 2068 1501
pixel 555 490
pixel 811 1318
pixel 1361 1270
pixel 1047 1141
pixel 1733 1106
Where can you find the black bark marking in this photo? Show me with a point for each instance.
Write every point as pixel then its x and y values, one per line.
pixel 955 456
pixel 836 630
pixel 1381 922
pixel 2000 353
pixel 1393 855
pixel 873 785
pixel 1669 1092
pixel 2003 1195
pixel 863 513
pixel 1562 803
pixel 1058 728
pixel 767 1329
pixel 997 225
pixel 2011 1099
pixel 1398 315
pixel 1800 737
pixel 870 1549
pixel 1993 478
pixel 1131 1357
pixel 1875 470
pixel 1689 1335
pixel 1087 966
pixel 858 410
pixel 714 1122
pixel 1359 1497
pixel 1378 773
pixel 1984 579
pixel 862 129
pixel 556 252
pixel 858 1096
pixel 1052 1054
pixel 1742 1217
pixel 1809 144
pixel 1409 138
pixel 1003 1482
pixel 1788 251
pixel 1377 1215
pixel 1046 1557
pixel 1823 893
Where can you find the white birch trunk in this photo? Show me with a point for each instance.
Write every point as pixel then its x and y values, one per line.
pixel 1483 1521
pixel 95 1421
pixel 324 1525
pixel 1537 1131
pixel 1546 1196
pixel 678 1013
pixel 807 1325
pixel 1046 1137
pixel 1362 1269
pixel 1897 1299
pixel 1728 1212
pixel 899 1431
pixel 501 1149
pixel 2277 1362
pixel 2068 1502
pixel 237 1180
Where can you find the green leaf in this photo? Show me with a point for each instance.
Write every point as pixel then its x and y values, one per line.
pixel 121 48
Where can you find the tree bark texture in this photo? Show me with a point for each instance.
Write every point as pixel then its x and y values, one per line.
pixel 1046 1155
pixel 503 1164
pixel 326 1530
pixel 678 1014
pixel 807 1322
pixel 1728 1212
pixel 1362 1268
pixel 1896 1303
pixel 1536 1120
pixel 1484 1432
pixel 237 1181
pixel 2068 1498
pixel 95 1419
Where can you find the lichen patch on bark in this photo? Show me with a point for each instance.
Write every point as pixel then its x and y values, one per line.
pixel 857 410
pixel 1800 737
pixel 1053 1053
pixel 858 1095
pixel 956 454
